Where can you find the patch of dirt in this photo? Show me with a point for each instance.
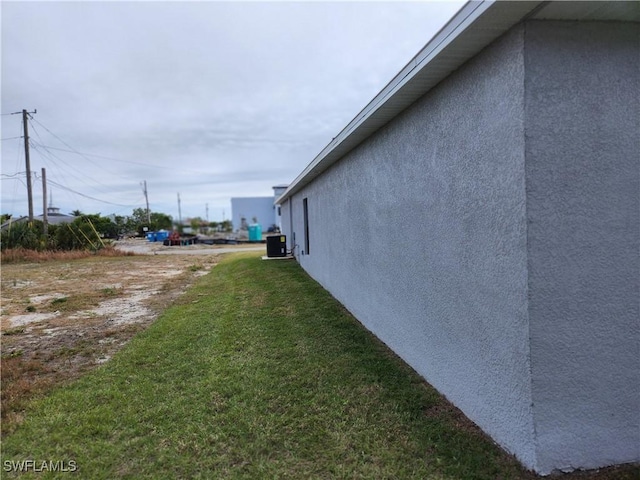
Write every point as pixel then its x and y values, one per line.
pixel 62 318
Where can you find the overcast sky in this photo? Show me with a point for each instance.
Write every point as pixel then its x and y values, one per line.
pixel 211 100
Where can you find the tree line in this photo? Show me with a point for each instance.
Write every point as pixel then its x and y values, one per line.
pixel 93 231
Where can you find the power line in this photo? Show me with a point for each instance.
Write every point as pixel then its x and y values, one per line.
pixel 19 152
pixel 62 141
pixel 49 148
pixel 67 170
pixel 42 149
pixel 52 158
pixel 69 189
pixel 18 179
pixel 72 171
pixel 83 155
pixel 112 158
pixel 73 150
pixel 88 196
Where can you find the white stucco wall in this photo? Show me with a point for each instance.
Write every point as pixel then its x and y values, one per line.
pixel 421 233
pixel 583 211
pixel 490 236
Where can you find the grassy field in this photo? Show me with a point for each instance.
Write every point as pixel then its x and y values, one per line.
pixel 64 313
pixel 256 372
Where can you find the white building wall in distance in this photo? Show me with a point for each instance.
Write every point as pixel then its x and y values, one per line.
pixel 260 208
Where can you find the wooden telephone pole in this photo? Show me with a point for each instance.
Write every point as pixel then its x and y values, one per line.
pixel 146 197
pixel 25 114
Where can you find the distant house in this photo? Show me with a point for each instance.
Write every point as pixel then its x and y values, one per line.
pixel 54 217
pixel 480 216
pixel 262 210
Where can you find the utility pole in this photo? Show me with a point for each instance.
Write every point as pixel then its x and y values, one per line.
pixel 207 208
pixel 146 197
pixel 28 163
pixel 179 212
pixel 45 216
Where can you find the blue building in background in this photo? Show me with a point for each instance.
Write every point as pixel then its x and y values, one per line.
pixel 262 210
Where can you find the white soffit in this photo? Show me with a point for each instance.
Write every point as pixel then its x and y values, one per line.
pixel 476 25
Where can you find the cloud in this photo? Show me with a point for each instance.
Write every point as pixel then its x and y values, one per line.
pixel 210 99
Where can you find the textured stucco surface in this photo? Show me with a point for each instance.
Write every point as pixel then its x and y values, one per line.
pixel 583 206
pixel 490 236
pixel 421 233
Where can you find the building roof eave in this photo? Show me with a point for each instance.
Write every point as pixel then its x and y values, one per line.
pixel 472 28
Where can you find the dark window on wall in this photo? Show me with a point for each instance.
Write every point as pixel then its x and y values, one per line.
pixel 305 212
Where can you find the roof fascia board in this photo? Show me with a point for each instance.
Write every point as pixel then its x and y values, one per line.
pixel 462 22
pixel 467 14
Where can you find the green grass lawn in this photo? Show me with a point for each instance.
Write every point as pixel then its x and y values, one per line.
pixel 256 372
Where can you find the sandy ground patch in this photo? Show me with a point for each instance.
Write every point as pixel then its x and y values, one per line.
pixel 61 318
pixel 142 246
pixel 80 296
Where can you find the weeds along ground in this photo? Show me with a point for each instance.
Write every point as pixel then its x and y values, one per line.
pixel 64 313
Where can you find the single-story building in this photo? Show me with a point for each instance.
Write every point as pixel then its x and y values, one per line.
pixel 248 210
pixel 481 217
